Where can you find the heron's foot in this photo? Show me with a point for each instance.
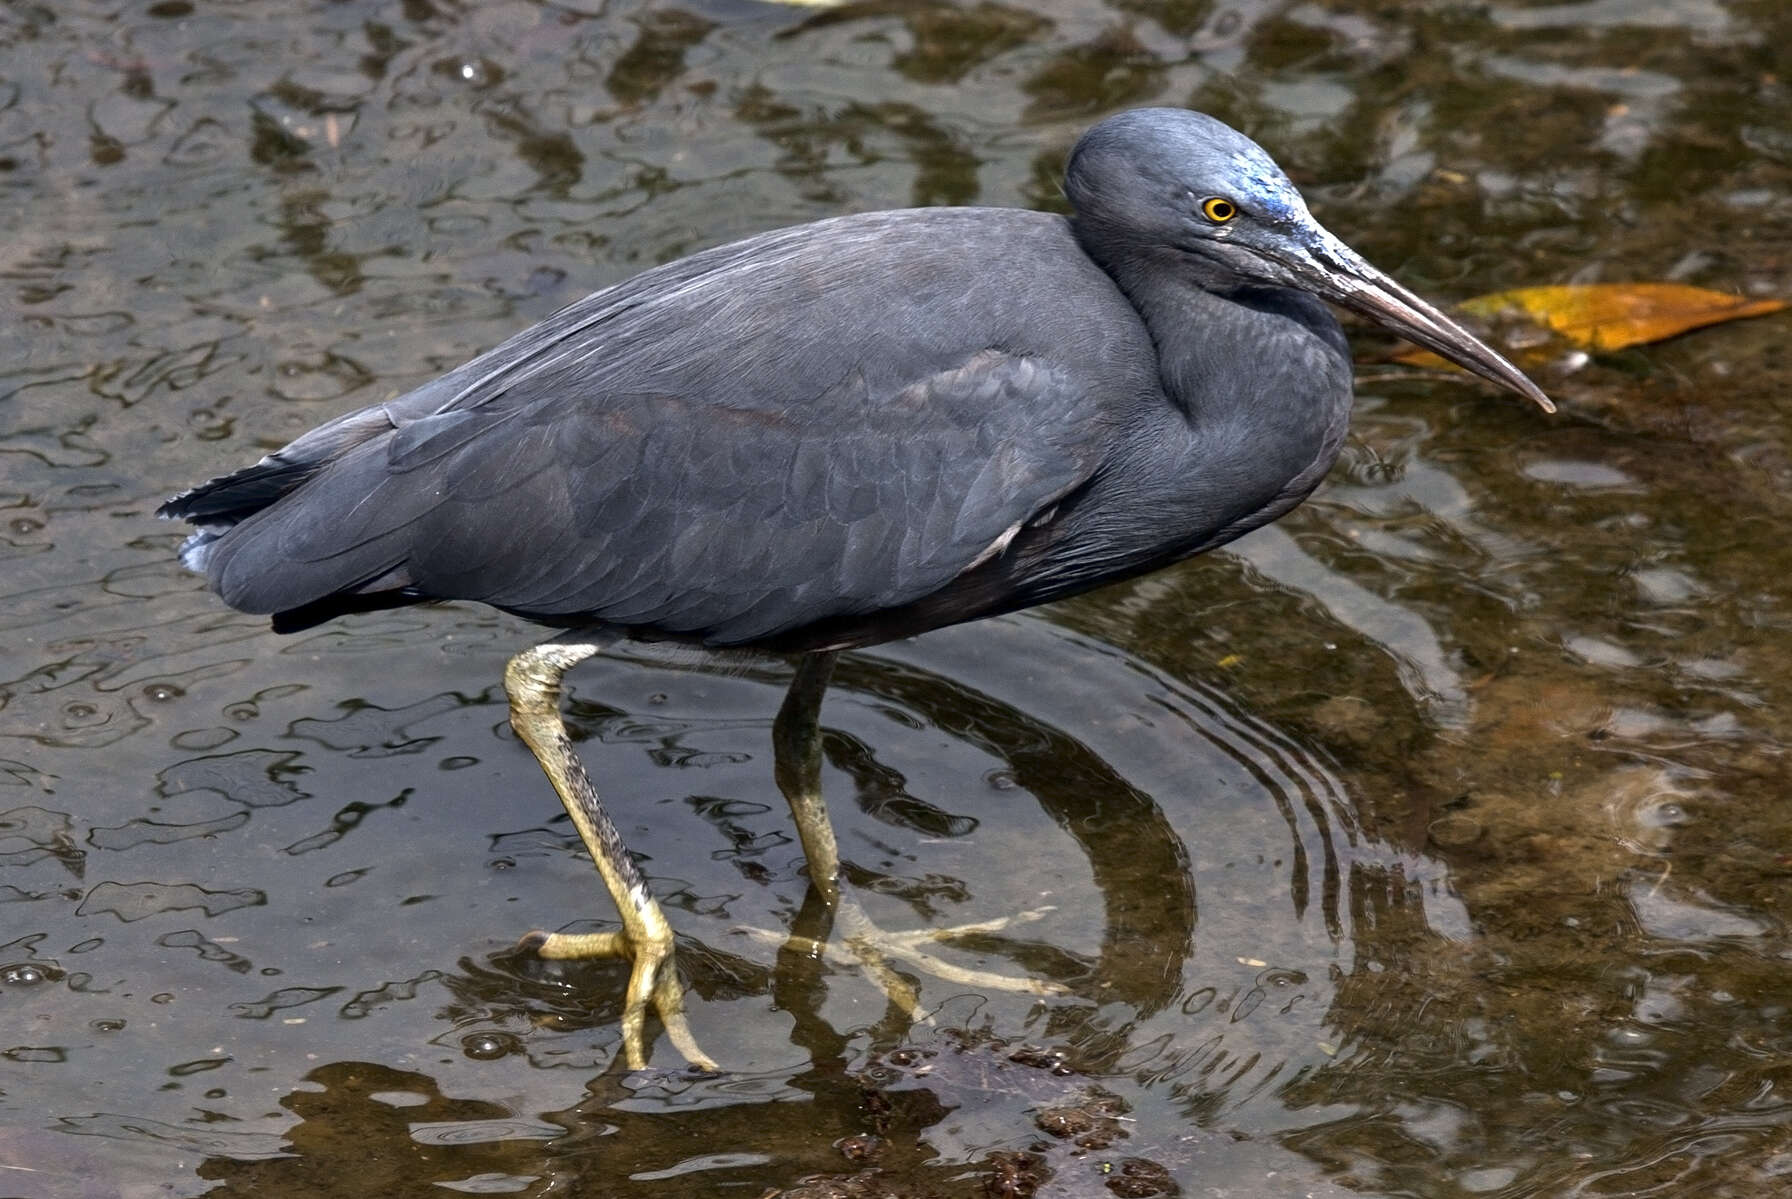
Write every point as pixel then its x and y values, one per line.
pixel 652 981
pixel 861 943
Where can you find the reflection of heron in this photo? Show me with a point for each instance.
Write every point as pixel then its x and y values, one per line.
pixel 830 436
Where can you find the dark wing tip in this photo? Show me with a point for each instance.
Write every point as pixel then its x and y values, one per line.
pixel 307 616
pixel 227 499
pixel 177 506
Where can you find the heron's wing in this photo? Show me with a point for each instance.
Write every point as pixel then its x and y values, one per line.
pixel 660 510
pixel 825 421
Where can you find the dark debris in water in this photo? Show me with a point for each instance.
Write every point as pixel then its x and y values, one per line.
pixel 1082 1147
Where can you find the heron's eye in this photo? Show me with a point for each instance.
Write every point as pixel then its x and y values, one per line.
pixel 1218 209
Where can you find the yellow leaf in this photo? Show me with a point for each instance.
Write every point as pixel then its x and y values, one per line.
pixel 1605 316
pixel 1610 316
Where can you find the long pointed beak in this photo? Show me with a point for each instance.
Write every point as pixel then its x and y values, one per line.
pixel 1333 270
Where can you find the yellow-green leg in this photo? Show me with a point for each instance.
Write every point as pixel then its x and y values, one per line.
pixel 796 744
pixel 796 764
pixel 532 680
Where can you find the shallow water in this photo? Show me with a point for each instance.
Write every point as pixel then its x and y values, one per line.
pixel 1431 843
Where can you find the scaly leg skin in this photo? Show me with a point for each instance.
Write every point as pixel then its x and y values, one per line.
pixel 866 945
pixel 796 742
pixel 796 764
pixel 532 680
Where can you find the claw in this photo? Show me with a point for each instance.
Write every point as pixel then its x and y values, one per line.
pixel 870 948
pixel 652 981
pixel 571 946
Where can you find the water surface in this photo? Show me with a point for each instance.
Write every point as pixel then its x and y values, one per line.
pixel 1431 843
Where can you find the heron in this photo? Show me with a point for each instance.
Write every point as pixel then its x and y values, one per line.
pixel 829 436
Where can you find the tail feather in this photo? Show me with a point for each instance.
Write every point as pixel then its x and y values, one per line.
pixel 227 499
pixel 219 505
pixel 195 552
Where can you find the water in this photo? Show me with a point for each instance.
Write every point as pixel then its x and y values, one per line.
pixel 1432 843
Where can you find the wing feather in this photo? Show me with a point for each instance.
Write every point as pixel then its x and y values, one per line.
pixel 706 451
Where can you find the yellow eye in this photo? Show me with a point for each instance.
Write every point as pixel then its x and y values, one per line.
pixel 1218 209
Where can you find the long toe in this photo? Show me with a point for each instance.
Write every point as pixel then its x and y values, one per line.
pixel 869 943
pixel 652 982
pixel 668 1001
pixel 859 942
pixel 562 947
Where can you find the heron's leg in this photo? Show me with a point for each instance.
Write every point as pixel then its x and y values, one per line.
pixel 796 763
pixel 532 680
pixel 796 744
pixel 871 948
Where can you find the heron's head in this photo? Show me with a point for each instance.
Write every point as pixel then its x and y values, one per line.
pixel 1179 187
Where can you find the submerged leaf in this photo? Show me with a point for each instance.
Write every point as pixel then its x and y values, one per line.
pixel 1610 316
pixel 1607 316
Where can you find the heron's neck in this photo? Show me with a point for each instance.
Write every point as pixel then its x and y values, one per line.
pixel 1260 384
